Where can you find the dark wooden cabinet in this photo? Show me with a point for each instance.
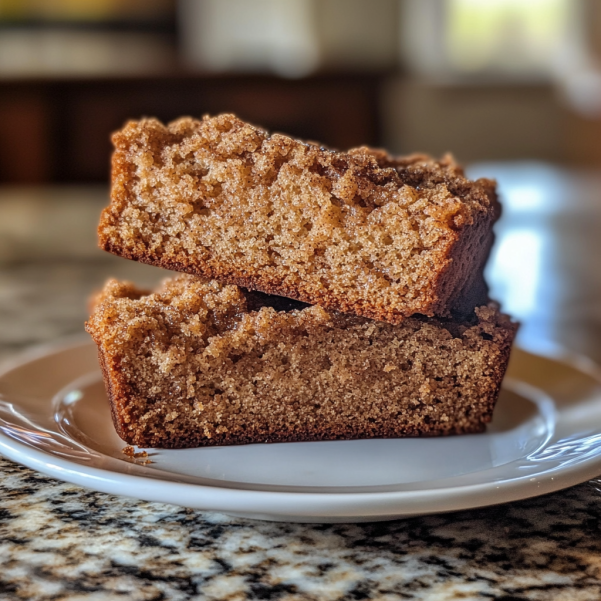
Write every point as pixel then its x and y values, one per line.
pixel 59 130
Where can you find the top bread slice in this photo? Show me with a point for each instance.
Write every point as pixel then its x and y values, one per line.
pixel 359 232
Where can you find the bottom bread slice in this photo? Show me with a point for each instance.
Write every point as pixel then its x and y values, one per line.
pixel 200 363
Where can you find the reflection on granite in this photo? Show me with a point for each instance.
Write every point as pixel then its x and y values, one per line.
pixel 62 542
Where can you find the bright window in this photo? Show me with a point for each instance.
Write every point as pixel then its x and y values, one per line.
pixel 454 39
pixel 506 35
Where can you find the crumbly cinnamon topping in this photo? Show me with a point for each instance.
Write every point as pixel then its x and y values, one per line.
pixel 357 231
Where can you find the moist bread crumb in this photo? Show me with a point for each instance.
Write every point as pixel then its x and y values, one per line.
pixel 360 232
pixel 200 363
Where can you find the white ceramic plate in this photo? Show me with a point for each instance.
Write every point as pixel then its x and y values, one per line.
pixel 546 435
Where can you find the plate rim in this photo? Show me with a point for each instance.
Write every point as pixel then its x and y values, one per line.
pixel 298 505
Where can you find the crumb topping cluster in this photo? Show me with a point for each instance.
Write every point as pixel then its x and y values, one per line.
pixel 358 227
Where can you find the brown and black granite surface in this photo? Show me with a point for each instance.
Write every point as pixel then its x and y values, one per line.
pixel 61 542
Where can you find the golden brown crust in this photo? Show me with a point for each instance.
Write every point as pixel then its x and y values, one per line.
pixel 266 376
pixel 116 399
pixel 370 234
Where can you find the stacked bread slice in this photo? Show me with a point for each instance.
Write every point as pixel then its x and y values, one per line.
pixel 327 295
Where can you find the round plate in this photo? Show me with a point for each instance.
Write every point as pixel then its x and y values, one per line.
pixel 545 435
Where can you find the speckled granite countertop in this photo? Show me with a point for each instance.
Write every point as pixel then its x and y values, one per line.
pixel 62 542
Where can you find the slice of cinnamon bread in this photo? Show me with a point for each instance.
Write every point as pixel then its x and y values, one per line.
pixel 202 363
pixel 359 232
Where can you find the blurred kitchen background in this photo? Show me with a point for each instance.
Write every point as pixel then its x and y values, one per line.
pixel 511 87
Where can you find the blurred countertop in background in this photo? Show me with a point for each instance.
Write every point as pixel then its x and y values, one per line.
pixel 50 264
